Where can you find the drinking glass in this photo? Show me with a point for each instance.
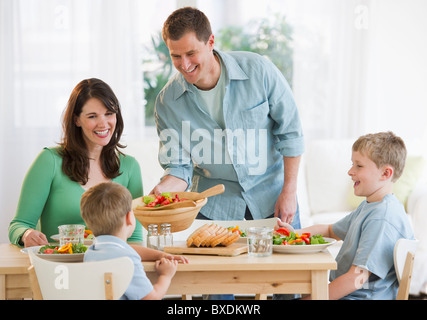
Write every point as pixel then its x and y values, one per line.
pixel 260 241
pixel 73 233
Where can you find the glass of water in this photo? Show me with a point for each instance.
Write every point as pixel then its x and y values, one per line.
pixel 260 241
pixel 73 233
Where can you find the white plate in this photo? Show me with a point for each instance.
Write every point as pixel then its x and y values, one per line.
pixel 86 242
pixel 311 248
pixel 64 257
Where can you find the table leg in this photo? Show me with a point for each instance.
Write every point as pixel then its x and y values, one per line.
pixel 2 287
pixel 319 285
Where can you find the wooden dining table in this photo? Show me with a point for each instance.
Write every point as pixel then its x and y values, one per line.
pixel 206 274
pixel 14 280
pixel 244 274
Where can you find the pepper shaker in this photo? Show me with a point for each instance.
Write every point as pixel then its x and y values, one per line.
pixel 152 237
pixel 166 237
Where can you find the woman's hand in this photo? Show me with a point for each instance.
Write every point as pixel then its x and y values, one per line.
pixel 32 238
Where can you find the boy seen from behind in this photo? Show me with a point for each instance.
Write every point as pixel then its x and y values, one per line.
pixel 107 210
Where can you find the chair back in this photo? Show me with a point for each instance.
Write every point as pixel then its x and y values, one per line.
pixel 97 280
pixel 403 255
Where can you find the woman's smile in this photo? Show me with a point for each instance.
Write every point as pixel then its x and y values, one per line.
pixel 103 134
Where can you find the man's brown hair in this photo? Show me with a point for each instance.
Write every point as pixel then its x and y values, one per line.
pixel 185 20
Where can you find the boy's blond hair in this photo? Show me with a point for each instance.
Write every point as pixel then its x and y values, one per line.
pixel 383 148
pixel 104 206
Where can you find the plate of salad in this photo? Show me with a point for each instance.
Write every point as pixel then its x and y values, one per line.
pixel 285 241
pixel 67 253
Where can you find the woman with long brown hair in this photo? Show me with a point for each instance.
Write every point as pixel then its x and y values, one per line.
pixel 88 154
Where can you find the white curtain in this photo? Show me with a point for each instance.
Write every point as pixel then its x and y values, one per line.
pixel 359 65
pixel 335 75
pixel 334 71
pixel 46 48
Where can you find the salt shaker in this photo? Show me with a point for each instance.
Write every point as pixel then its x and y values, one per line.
pixel 152 237
pixel 166 237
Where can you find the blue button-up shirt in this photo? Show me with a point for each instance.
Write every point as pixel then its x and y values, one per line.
pixel 262 126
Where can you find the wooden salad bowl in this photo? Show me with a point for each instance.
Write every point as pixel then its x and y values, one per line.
pixel 180 217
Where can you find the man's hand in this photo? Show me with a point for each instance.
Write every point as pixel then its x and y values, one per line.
pixel 286 207
pixel 170 184
pixel 286 204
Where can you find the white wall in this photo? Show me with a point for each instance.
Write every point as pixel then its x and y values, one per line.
pixel 402 51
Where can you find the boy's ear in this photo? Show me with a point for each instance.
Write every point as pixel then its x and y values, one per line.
pixel 129 218
pixel 387 172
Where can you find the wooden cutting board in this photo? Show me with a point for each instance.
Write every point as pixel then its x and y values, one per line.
pixel 180 247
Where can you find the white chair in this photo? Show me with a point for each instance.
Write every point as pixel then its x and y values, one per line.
pixel 403 255
pixel 98 280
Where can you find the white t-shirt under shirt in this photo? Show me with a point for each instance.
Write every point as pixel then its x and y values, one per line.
pixel 212 100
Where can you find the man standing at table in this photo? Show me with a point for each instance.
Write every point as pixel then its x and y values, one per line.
pixel 227 118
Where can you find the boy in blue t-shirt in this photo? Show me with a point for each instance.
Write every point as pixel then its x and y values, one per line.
pixel 107 210
pixel 365 260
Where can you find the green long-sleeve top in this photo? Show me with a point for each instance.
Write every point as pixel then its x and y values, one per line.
pixel 51 196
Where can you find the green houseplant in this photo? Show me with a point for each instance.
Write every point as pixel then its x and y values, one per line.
pixel 270 37
pixel 157 69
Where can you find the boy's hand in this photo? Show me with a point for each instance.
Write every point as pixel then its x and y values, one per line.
pixel 166 267
pixel 180 259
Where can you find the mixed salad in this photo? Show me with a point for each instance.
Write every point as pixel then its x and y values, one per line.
pixel 283 236
pixel 88 234
pixel 237 229
pixel 65 249
pixel 161 200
